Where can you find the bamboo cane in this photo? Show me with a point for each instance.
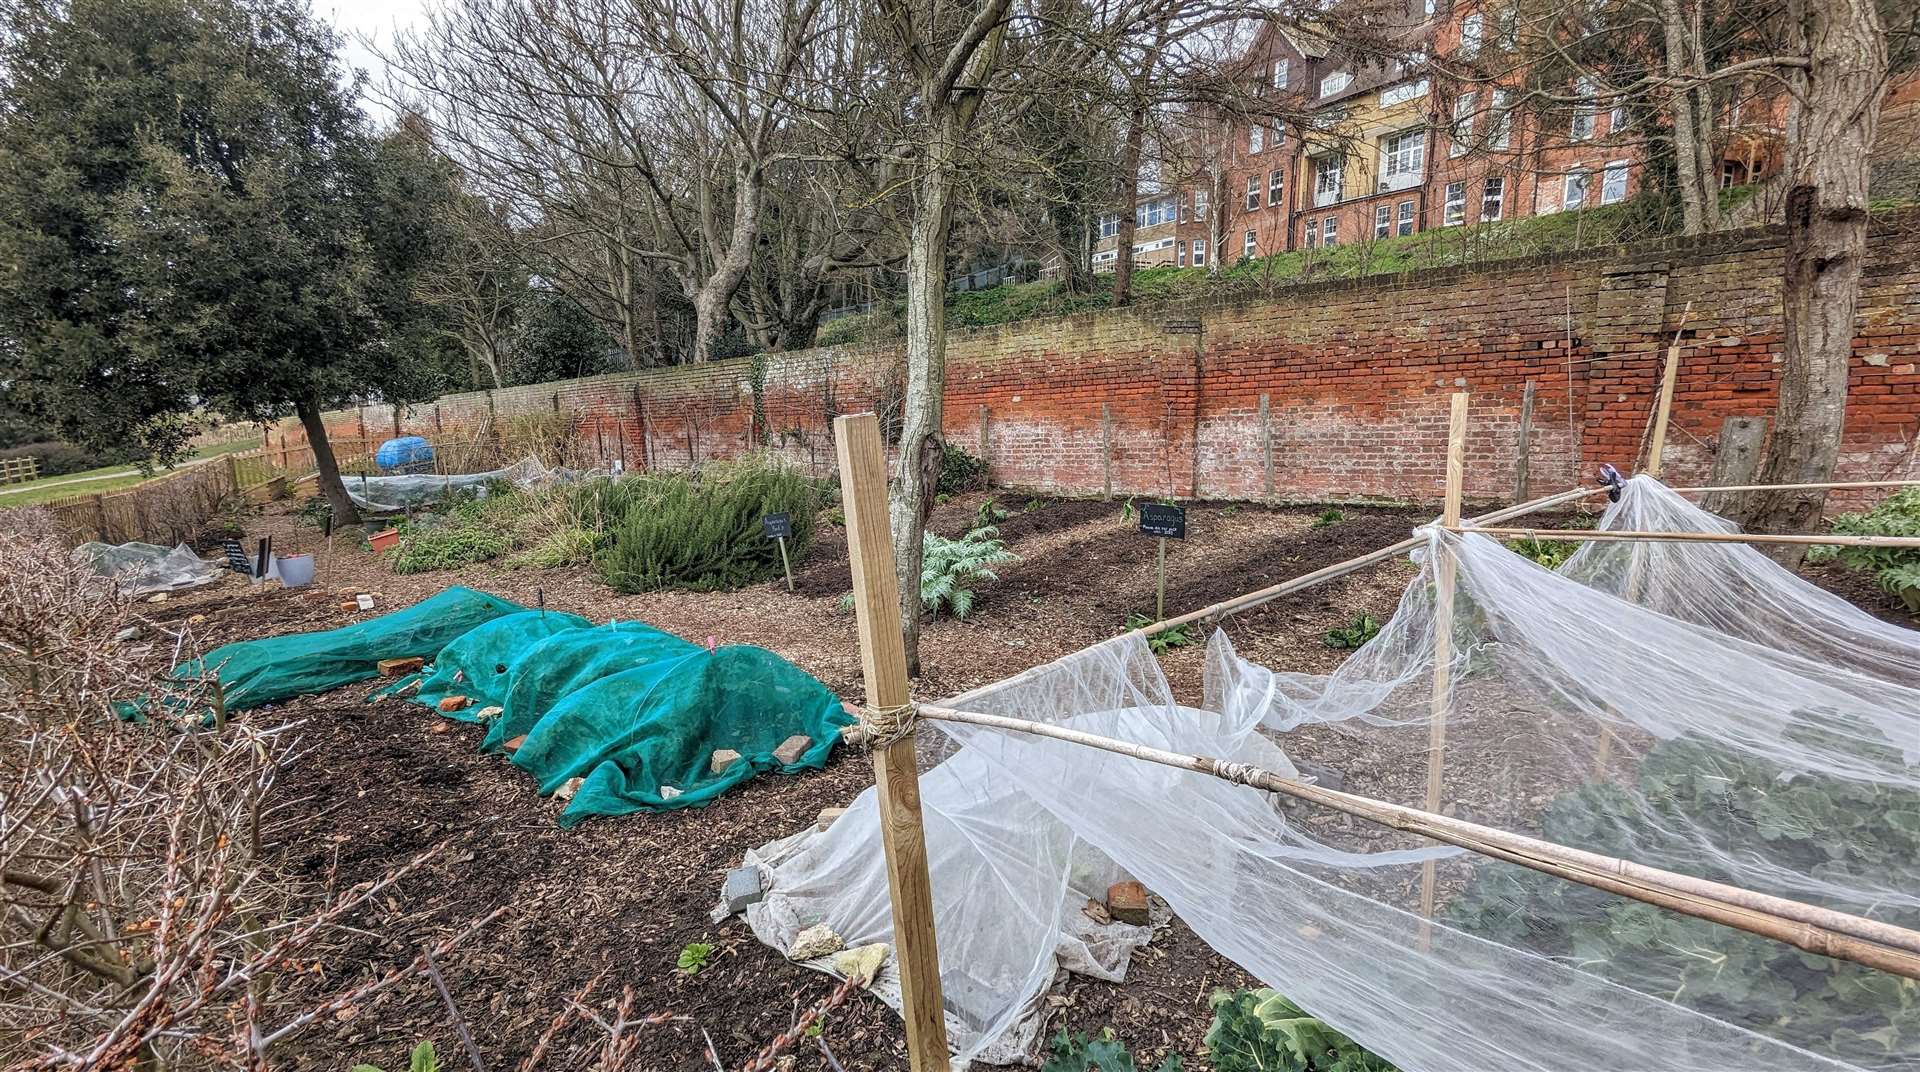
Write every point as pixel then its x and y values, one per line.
pixel 1341 569
pixel 1443 584
pixel 1817 930
pixel 1622 535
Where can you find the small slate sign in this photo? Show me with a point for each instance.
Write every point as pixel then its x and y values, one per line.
pixel 1162 520
pixel 237 559
pixel 777 526
pixel 1182 327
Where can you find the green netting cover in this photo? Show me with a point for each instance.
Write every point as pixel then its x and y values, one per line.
pixel 634 712
pixel 477 663
pixel 256 672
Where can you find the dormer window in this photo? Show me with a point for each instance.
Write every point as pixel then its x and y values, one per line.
pixel 1335 82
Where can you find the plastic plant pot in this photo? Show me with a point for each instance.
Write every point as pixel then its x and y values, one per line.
pixel 296 571
pixel 384 540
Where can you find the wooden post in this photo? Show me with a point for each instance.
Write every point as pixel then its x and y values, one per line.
pixel 396 420
pixel 883 662
pixel 233 474
pixel 1160 586
pixel 1667 378
pixel 1106 450
pixel 1523 449
pixel 785 565
pixel 986 441
pixel 1443 579
pixel 1266 444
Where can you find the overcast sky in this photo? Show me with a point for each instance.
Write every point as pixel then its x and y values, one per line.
pixel 373 19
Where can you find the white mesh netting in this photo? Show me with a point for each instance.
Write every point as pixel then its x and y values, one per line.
pixel 1690 706
pixel 391 494
pixel 142 568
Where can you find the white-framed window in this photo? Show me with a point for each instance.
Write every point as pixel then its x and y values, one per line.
pixel 1106 255
pixel 1279 74
pixel 1199 252
pixel 1328 173
pixel 1617 120
pixel 1109 225
pixel 1453 210
pixel 1382 220
pixel 1403 93
pixel 1253 192
pixel 1613 182
pixel 1430 6
pixel 1402 156
pixel 1573 189
pixel 1256 138
pixel 1462 133
pixel 1500 123
pixel 1405 224
pixel 1335 82
pixel 1276 187
pixel 1581 126
pixel 1493 199
pixel 1200 204
pixel 1180 254
pixel 1310 234
pixel 1250 246
pixel 1278 136
pixel 1330 232
pixel 1471 28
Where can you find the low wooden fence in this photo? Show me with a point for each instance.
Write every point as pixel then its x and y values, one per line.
pixel 176 508
pixel 19 470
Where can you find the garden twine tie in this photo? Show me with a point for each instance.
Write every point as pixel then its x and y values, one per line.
pixel 885 725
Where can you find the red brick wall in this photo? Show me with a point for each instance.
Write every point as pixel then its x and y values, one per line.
pixel 1356 377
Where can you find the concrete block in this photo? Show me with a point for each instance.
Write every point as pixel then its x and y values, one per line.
pixel 742 888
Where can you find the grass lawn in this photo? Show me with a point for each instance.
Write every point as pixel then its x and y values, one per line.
pixel 67 485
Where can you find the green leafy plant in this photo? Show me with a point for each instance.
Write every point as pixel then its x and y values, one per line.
pixel 1549 553
pixel 569 546
pixel 1896 569
pixel 1858 833
pixel 1127 511
pixel 1364 628
pixel 960 471
pixel 474 530
pixel 1328 517
pixel 694 956
pixel 950 568
pixel 702 531
pixel 1078 1053
pixel 422 1059
pixel 1261 1031
pixel 1165 640
pixel 990 514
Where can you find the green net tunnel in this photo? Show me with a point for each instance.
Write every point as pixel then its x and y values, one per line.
pixel 636 713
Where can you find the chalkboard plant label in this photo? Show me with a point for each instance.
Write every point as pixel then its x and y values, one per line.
pixel 1165 520
pixel 777 526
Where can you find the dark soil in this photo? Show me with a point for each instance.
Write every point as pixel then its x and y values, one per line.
pixel 617 900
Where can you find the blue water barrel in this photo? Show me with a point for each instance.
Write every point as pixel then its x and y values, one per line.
pixel 406 450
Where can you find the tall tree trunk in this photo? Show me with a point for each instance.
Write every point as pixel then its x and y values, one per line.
pixel 922 449
pixel 713 296
pixel 1691 109
pixel 330 484
pixel 1840 93
pixel 1129 198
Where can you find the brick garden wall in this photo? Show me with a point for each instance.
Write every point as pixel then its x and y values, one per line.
pixel 1342 385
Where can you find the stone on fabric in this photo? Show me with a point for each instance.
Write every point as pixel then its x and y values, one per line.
pixel 792 749
pixel 722 759
pixel 816 941
pixel 1127 903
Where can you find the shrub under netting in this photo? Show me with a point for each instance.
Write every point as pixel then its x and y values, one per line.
pixel 1691 707
pixel 633 712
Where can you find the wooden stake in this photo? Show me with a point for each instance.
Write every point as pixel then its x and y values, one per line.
pixel 1266 445
pixel 785 565
pixel 1443 641
pixel 883 662
pixel 1663 410
pixel 1160 587
pixel 1106 451
pixel 1522 450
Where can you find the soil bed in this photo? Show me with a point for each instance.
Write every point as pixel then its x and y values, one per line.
pixel 618 899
